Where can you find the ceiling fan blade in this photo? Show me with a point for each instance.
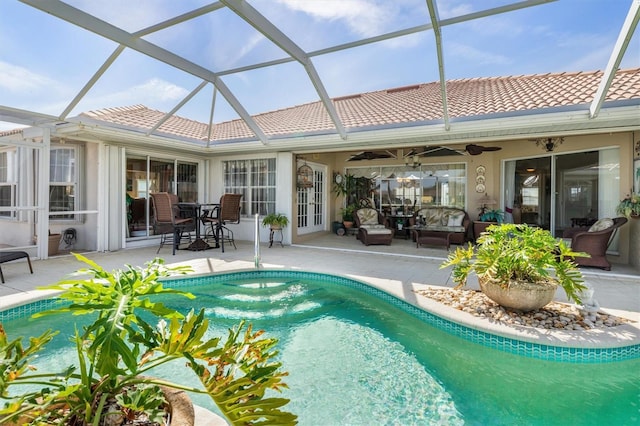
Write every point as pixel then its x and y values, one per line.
pixel 473 149
pixel 439 151
pixel 369 155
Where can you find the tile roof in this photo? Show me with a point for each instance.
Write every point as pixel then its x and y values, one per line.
pixel 418 103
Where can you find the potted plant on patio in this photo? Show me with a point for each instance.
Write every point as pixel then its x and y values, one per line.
pixel 512 263
pixel 630 206
pixel 347 213
pixel 487 218
pixel 111 384
pixel 275 221
pixel 353 189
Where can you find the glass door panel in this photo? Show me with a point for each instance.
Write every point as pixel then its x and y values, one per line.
pixel 587 187
pixel 527 191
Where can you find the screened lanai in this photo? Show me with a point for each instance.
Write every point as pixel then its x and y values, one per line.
pixel 278 82
pixel 217 61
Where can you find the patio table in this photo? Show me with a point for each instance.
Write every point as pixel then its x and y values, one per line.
pixel 430 238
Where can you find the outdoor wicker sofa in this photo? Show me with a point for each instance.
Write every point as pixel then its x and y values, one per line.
pixel 447 220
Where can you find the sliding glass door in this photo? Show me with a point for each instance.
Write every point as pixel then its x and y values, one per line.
pixel 146 175
pixel 559 191
pixel 587 187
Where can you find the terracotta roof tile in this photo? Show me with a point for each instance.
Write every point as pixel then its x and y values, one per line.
pixel 416 103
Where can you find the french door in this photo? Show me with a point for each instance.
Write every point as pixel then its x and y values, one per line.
pixel 311 202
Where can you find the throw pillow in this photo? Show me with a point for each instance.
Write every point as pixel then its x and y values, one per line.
pixel 455 219
pixel 433 217
pixel 368 216
pixel 601 225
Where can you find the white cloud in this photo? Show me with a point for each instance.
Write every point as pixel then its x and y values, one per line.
pixel 150 92
pixel 364 17
pixel 475 56
pixel 144 14
pixel 17 79
pixel 229 56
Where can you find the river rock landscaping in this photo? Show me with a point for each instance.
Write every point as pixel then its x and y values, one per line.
pixel 554 316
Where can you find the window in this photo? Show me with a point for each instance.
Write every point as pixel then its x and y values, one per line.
pixel 403 189
pixel 63 181
pixel 7 183
pixel 256 181
pixel 146 175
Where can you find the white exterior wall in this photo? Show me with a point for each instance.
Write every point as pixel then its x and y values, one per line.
pixel 245 230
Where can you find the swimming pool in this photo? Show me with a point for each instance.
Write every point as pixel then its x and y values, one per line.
pixel 358 356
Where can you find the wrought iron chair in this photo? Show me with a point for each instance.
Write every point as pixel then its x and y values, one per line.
pixel 171 223
pixel 228 211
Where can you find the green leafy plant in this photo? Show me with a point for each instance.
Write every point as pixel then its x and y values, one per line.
pixel 353 189
pixel 492 216
pixel 521 253
pixel 630 206
pixel 119 347
pixel 275 220
pixel 348 211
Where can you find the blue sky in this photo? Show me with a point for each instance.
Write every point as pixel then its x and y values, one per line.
pixel 45 62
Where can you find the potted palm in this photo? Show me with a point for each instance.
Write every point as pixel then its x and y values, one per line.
pixel 513 264
pixel 110 383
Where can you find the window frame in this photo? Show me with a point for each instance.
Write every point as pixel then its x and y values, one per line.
pixel 243 176
pixel 75 182
pixel 8 179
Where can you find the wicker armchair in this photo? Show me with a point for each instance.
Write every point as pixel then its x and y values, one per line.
pixel 373 227
pixel 594 242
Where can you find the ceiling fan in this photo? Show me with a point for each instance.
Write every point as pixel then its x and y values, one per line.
pixel 440 151
pixel 370 155
pixel 473 149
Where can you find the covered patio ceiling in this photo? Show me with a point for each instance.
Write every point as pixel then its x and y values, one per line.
pixel 214 62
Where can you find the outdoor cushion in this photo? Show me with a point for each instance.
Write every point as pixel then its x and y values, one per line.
pixel 376 226
pixel 601 225
pixel 379 231
pixel 368 216
pixel 433 216
pixel 455 219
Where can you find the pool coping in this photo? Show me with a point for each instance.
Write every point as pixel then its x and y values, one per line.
pixel 625 337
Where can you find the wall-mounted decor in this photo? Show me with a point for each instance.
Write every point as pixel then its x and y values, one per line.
pixel 305 176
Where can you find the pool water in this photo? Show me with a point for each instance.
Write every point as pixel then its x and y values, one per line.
pixel 354 359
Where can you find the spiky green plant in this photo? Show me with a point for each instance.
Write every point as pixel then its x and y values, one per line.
pixel 117 350
pixel 518 252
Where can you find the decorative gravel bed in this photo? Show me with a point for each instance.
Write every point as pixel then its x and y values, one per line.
pixel 553 316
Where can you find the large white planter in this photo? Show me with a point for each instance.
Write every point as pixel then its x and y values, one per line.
pixel 523 296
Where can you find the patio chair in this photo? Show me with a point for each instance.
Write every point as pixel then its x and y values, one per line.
pixel 594 241
pixel 171 222
pixel 373 227
pixel 8 256
pixel 228 211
